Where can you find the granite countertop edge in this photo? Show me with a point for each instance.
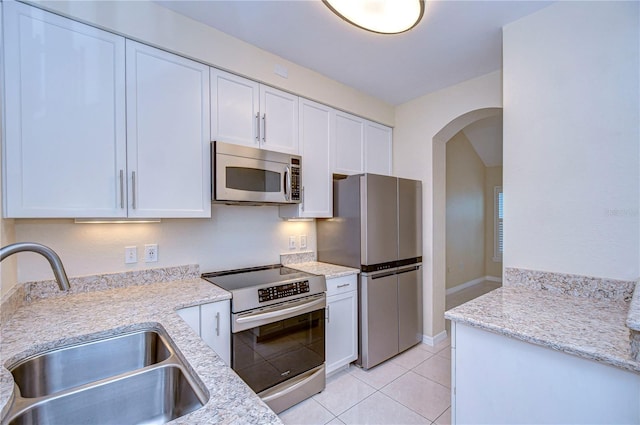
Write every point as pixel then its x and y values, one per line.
pixel 65 320
pixel 503 312
pixel 633 317
pixel 330 271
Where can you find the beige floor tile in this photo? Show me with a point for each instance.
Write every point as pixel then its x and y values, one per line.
pixel 343 391
pixel 412 357
pixel 420 394
pixel 445 352
pixel 380 409
pixel 308 412
pixel 380 375
pixel 445 418
pixel 437 369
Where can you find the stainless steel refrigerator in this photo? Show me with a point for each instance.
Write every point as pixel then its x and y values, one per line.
pixel 377 228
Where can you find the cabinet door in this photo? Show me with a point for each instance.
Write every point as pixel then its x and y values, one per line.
pixel 234 109
pixel 64 115
pixel 168 143
pixel 215 328
pixel 348 144
pixel 279 111
pixel 342 330
pixel 377 149
pixel 316 131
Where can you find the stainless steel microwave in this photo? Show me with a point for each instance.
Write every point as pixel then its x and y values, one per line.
pixel 245 175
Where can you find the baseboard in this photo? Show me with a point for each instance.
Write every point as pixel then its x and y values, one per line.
pixel 433 340
pixel 466 285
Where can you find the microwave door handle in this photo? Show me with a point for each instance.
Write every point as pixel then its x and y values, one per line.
pixel 287 184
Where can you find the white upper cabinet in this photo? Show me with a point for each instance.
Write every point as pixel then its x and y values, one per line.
pixel 315 135
pixel 377 149
pixel 88 136
pixel 248 113
pixel 168 160
pixel 348 144
pixel 279 120
pixel 64 117
pixel 361 146
pixel 235 109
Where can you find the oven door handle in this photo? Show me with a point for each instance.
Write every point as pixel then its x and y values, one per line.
pixel 280 311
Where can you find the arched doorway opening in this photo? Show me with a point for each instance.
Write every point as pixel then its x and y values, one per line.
pixel 439 204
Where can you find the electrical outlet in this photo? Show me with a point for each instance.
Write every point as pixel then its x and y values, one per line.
pixel 130 254
pixel 292 242
pixel 303 241
pixel 150 253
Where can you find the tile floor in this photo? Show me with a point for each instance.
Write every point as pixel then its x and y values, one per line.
pixel 411 388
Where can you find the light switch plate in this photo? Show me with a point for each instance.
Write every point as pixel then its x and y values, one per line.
pixel 130 254
pixel 292 242
pixel 303 241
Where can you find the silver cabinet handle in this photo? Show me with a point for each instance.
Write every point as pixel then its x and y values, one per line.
pixel 328 315
pixel 302 203
pixel 133 189
pixel 258 127
pixel 264 128
pixel 344 285
pixel 218 324
pixel 121 188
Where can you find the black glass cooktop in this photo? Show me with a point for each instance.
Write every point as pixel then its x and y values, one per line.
pixel 255 276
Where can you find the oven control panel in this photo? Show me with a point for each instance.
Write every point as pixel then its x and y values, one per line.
pixel 283 291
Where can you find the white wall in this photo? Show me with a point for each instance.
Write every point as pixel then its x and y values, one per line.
pixel 418 122
pixel 235 237
pixel 571 140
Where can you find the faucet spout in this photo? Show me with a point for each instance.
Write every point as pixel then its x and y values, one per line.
pixel 46 252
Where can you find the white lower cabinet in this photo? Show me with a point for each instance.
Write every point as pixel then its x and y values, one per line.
pixel 212 322
pixel 502 380
pixel 342 322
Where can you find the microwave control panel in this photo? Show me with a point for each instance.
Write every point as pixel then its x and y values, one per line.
pixel 295 179
pixel 283 291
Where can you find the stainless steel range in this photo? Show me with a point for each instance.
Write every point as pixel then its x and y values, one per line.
pixel 278 334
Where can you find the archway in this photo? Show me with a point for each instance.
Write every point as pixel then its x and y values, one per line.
pixel 439 204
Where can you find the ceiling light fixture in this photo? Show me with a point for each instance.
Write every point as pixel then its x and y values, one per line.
pixel 381 16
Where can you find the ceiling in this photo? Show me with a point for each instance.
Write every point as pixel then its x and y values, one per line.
pixel 456 41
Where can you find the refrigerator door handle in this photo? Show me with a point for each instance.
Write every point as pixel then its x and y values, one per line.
pixel 381 275
pixel 409 269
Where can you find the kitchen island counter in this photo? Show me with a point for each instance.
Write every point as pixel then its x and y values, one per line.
pixel 586 327
pixel 72 318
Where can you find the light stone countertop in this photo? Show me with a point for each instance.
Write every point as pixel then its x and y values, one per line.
pixel 633 318
pixel 586 327
pixel 59 321
pixel 328 270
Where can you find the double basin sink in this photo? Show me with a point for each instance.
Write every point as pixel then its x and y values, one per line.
pixel 130 378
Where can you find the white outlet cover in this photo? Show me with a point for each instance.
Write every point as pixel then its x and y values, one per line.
pixel 130 254
pixel 150 253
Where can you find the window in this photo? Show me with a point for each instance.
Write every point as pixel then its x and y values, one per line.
pixel 498 212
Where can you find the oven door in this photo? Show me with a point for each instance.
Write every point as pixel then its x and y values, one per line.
pixel 241 179
pixel 277 343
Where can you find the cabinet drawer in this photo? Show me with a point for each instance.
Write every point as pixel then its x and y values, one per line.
pixel 339 285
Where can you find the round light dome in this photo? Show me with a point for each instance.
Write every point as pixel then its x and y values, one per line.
pixel 381 16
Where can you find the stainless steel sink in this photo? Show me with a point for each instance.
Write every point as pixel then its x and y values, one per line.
pixel 68 367
pixel 153 396
pixel 134 378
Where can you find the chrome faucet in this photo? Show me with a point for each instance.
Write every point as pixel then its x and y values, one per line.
pixel 46 252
